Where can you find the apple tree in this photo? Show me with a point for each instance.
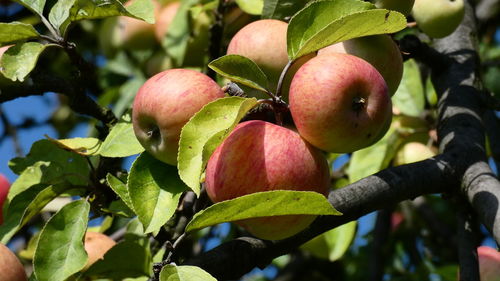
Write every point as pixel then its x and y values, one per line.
pixel 316 140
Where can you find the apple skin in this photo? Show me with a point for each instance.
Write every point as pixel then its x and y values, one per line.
pixel 260 156
pixel 324 103
pixel 380 51
pixel 264 42
pixel 4 190
pixel 96 245
pixel 489 263
pixel 11 269
pixel 413 152
pixel 402 6
pixel 438 18
pixel 164 104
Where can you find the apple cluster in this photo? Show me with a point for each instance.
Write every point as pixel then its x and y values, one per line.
pixel 339 100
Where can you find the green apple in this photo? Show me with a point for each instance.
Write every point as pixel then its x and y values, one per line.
pixel 380 51
pixel 11 268
pixel 164 104
pixel 340 103
pixel 438 18
pixel 402 6
pixel 413 152
pixel 260 156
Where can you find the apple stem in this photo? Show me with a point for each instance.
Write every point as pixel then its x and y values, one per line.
pixel 358 103
pixel 282 77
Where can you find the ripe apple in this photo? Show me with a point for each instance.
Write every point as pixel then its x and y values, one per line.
pixel 413 152
pixel 340 103
pixel 264 42
pixel 96 245
pixel 164 104
pixel 11 268
pixel 4 190
pixel 402 6
pixel 438 18
pixel 489 263
pixel 380 51
pixel 260 156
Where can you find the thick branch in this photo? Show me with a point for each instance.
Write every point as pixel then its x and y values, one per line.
pixel 391 186
pixel 39 83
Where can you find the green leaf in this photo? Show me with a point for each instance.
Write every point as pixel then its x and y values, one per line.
pixel 155 189
pixel 204 132
pixel 60 252
pixel 263 204
pixel 16 31
pixel 184 273
pixel 253 7
pixel 26 205
pixel 121 189
pixel 333 244
pixel 323 23
pixel 410 96
pixel 82 146
pixel 374 158
pixel 281 9
pixel 127 91
pixel 90 9
pixel 130 258
pixel 18 61
pixel 242 70
pixel 33 5
pixel 121 142
pixel 175 42
pixel 142 9
pixel 60 12
pixel 44 150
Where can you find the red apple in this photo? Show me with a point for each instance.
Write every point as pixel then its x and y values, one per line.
pixel 96 245
pixel 11 268
pixel 489 263
pixel 4 190
pixel 260 156
pixel 164 104
pixel 402 6
pixel 380 51
pixel 264 42
pixel 340 103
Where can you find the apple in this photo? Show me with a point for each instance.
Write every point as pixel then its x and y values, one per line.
pixel 402 6
pixel 11 269
pixel 264 42
pixel 438 18
pixel 489 263
pixel 380 51
pixel 164 104
pixel 4 190
pixel 340 103
pixel 96 245
pixel 260 156
pixel 413 152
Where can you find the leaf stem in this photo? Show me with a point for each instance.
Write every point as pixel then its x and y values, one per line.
pixel 282 77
